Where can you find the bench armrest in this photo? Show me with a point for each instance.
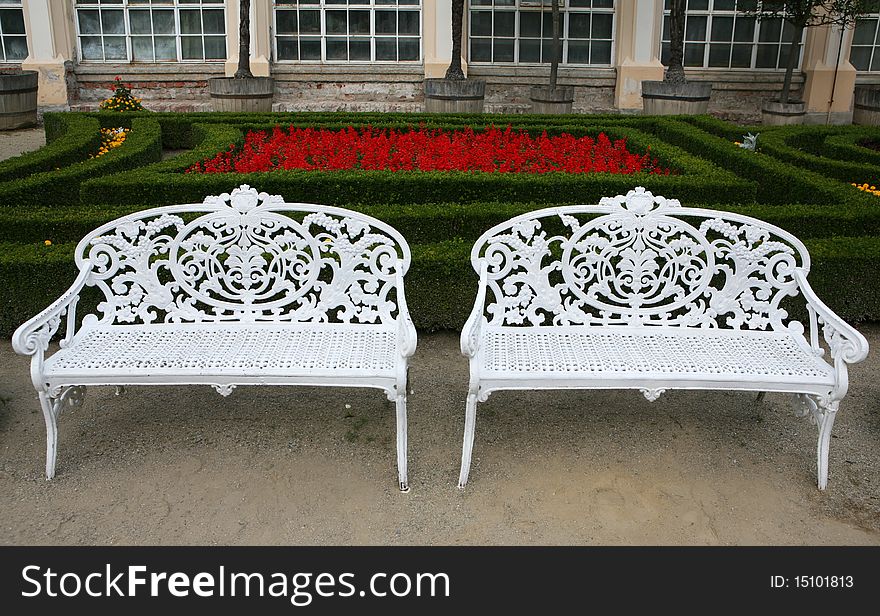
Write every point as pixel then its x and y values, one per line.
pixel 406 331
pixel 845 342
pixel 470 333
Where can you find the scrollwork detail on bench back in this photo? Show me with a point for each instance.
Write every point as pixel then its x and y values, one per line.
pixel 246 256
pixel 638 260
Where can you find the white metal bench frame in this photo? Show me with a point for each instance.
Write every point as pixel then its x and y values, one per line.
pixel 240 261
pixel 636 265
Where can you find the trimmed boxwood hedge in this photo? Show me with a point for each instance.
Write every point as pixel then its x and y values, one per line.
pixel 440 285
pixel 61 187
pixel 777 181
pixel 796 145
pixel 847 146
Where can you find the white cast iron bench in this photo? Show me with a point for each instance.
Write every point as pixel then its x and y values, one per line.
pixel 243 289
pixel 639 292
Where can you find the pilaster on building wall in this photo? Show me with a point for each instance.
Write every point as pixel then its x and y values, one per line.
pixel 826 80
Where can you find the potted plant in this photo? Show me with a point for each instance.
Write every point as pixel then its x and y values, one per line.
pixel 553 98
pixel 801 14
pixel 675 94
pixel 243 91
pixel 454 93
pixel 18 99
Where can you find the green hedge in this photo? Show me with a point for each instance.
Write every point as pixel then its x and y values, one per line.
pixel 75 137
pixel 61 187
pixel 847 146
pixel 441 284
pixel 795 145
pixel 778 182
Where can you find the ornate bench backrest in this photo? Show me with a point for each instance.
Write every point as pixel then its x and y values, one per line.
pixel 246 256
pixel 638 260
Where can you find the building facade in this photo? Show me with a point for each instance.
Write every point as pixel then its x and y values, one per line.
pixel 375 54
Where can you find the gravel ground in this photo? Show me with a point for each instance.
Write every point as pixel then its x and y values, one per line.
pixel 15 142
pixel 272 465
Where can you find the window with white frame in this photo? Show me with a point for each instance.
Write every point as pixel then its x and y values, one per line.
pixel 151 30
pixel 865 52
pixel 348 30
pixel 521 31
pixel 716 35
pixel 13 39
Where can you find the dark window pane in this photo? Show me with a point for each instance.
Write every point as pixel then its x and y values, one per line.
pixel 215 47
pixel 386 23
pixel 698 5
pixel 766 56
pixel 722 29
pixel 139 22
pixel 114 48
pixel 600 52
pixel 503 50
pixel 664 54
pixel 285 22
pixel 309 22
pixel 359 22
pixel 719 55
pixel 16 47
pixel 530 24
pixel 163 22
pixel 166 48
pixel 578 52
pixel 337 49
pixel 546 50
pixel 505 25
pixel 666 35
pixel 744 30
pixel 142 49
pixel 695 28
pixel 113 22
pixel 741 56
pixel 386 49
pixel 481 50
pixel 602 25
pixel 408 22
pixel 89 22
pixel 12 21
pixel 190 22
pixel 693 54
pixel 603 4
pixel 864 32
pixel 359 49
pixel 530 50
pixel 336 22
pixel 213 22
pixel 769 30
pixel 579 25
pixel 481 23
pixel 875 63
pixel 287 49
pixel 784 53
pixel 724 5
pixel 547 24
pixel 408 48
pixel 309 49
pixel 91 48
pixel 191 47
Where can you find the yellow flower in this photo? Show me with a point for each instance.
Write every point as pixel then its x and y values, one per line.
pixel 48 242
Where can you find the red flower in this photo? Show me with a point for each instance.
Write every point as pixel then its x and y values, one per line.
pixel 491 150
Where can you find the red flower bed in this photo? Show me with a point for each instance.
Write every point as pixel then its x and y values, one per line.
pixel 492 150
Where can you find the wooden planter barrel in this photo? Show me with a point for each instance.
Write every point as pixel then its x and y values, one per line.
pixel 551 100
pixel 866 106
pixel 774 113
pixel 18 99
pixel 248 94
pixel 664 98
pixel 454 95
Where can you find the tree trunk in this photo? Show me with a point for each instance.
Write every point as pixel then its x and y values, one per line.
pixel 557 48
pixel 244 41
pixel 793 53
pixel 675 71
pixel 454 71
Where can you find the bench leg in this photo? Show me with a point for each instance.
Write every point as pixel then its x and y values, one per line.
pixel 470 419
pixel 825 424
pixel 401 442
pixel 51 433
